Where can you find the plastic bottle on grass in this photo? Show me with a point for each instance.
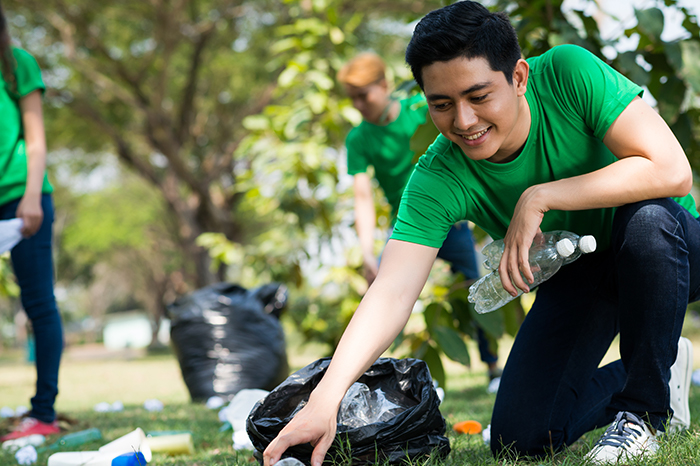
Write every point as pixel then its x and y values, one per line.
pixel 547 254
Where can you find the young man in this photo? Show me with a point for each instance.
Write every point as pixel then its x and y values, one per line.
pixel 382 140
pixel 560 141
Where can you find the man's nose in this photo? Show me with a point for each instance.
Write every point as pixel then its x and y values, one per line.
pixel 465 117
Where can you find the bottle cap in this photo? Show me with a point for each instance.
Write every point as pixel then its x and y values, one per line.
pixel 587 244
pixel 565 247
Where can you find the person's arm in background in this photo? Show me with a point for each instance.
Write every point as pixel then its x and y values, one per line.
pixel 365 224
pixel 379 318
pixel 29 208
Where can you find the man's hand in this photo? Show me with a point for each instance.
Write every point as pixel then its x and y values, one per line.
pixel 312 424
pixel 522 231
pixel 31 213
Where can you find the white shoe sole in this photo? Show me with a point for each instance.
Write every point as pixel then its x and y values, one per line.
pixel 681 375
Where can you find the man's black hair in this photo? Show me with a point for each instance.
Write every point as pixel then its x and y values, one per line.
pixel 463 29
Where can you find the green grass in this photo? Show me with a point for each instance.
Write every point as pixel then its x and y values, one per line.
pixel 85 382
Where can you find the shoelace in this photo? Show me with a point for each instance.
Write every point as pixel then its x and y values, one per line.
pixel 622 431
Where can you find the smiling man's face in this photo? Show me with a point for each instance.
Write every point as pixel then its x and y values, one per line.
pixel 476 108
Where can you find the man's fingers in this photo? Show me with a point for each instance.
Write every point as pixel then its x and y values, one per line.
pixel 320 450
pixel 276 448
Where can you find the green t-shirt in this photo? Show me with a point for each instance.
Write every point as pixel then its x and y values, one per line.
pixel 13 155
pixel 387 149
pixel 574 98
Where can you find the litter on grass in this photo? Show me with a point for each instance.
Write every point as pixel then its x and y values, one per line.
pixel 696 377
pixel 26 455
pixel 467 427
pixel 15 444
pixel 237 412
pixel 153 405
pixel 105 407
pixel 130 449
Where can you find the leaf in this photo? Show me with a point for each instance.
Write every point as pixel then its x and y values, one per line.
pixel 627 63
pixel 674 55
pixel 437 370
pixel 256 123
pixel 670 98
pixel 491 322
pixel 512 317
pixel 431 314
pixel 691 58
pixel 336 35
pixel 651 23
pixel 423 137
pixel 451 344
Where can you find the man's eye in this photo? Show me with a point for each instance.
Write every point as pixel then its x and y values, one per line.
pixel 479 98
pixel 442 106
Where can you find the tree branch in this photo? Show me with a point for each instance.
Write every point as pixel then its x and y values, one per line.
pixel 187 108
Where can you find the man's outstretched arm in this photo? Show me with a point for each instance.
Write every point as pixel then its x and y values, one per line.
pixel 379 318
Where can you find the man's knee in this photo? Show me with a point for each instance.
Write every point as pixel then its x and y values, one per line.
pixel 646 227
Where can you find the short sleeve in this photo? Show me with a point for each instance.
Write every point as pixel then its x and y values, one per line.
pixel 598 93
pixel 28 73
pixel 430 204
pixel 356 156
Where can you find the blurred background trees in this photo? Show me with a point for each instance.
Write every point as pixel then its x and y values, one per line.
pixel 199 140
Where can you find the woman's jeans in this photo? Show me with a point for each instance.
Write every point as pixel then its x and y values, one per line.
pixel 33 266
pixel 552 390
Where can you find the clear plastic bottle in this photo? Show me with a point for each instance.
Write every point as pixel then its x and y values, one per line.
pixel 584 244
pixel 547 254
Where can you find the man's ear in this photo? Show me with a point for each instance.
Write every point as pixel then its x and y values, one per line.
pixel 520 74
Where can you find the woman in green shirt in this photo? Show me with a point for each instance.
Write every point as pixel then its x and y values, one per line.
pixel 25 194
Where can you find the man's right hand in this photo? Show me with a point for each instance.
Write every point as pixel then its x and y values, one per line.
pixel 315 424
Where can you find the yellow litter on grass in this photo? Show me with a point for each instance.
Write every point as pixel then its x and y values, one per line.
pixel 178 444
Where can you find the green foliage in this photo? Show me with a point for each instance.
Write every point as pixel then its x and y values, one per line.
pixel 669 70
pixel 8 287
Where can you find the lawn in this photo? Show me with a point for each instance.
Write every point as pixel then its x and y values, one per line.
pixel 88 377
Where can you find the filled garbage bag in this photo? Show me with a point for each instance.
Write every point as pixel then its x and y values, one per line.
pixel 228 338
pixel 391 414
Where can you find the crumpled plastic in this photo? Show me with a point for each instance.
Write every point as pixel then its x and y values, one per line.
pixel 153 405
pixel 394 418
pixel 486 435
pixel 104 407
pixel 10 233
pixel 26 455
pixel 215 402
pixel 15 444
pixel 362 406
pixel 237 412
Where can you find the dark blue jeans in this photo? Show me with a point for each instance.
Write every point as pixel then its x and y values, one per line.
pixel 552 390
pixel 33 266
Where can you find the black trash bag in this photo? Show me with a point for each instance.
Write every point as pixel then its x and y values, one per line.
pixel 228 338
pixel 407 426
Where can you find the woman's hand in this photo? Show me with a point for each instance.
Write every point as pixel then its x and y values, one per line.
pixel 523 229
pixel 31 213
pixel 315 423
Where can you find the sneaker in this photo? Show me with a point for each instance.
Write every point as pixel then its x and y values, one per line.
pixel 681 375
pixel 31 426
pixel 627 437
